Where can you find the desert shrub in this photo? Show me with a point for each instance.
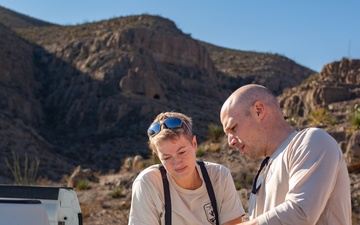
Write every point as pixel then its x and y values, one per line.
pixel 215 132
pixel 321 116
pixel 249 179
pixel 292 121
pixel 200 151
pixel 311 78
pixel 116 193
pixel 29 173
pixel 355 116
pixel 83 185
pixel 238 185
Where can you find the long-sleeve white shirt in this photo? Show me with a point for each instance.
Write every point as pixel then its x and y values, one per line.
pixel 305 182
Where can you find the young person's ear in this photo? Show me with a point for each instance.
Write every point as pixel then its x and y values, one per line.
pixel 194 142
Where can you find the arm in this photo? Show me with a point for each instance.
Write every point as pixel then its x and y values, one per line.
pixel 231 209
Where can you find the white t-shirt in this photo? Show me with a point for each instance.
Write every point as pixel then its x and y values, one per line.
pixel 190 207
pixel 305 182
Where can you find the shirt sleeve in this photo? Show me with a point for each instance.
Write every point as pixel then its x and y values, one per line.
pixel 313 163
pixel 231 207
pixel 144 207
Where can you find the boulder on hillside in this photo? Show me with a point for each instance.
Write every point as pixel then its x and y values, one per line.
pixel 80 174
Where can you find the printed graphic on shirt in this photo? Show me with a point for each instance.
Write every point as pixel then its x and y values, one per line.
pixel 210 215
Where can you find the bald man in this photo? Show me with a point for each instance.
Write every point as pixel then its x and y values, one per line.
pixel 303 178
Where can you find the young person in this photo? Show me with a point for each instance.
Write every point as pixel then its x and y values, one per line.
pixel 303 179
pixel 171 139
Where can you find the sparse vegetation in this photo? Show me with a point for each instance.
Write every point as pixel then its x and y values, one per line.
pixel 321 116
pixel 116 193
pixel 200 151
pixel 310 79
pixel 215 132
pixel 238 185
pixel 292 121
pixel 355 117
pixel 83 185
pixel 249 179
pixel 29 173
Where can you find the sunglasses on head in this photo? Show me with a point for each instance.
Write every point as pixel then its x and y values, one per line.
pixel 170 123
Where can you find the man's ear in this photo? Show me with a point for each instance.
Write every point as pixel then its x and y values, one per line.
pixel 259 108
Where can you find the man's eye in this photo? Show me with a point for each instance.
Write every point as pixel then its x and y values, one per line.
pixel 233 128
pixel 165 159
pixel 182 152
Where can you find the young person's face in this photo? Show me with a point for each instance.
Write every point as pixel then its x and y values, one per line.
pixel 178 158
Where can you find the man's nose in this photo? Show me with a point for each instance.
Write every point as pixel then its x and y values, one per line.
pixel 232 140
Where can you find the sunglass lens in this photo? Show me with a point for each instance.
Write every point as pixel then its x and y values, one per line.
pixel 172 122
pixel 154 129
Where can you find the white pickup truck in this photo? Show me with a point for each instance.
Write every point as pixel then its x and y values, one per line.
pixel 29 204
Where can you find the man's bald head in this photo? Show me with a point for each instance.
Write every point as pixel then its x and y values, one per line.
pixel 253 121
pixel 245 97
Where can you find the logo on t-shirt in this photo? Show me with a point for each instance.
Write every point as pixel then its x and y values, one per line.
pixel 210 215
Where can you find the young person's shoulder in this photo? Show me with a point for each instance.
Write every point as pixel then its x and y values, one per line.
pixel 216 168
pixel 150 173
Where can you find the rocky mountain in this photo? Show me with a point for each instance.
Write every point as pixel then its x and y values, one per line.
pixel 85 94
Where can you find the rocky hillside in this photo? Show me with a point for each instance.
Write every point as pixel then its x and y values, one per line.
pixel 272 70
pixel 21 112
pixel 88 93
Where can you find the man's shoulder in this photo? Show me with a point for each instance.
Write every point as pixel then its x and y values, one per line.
pixel 314 132
pixel 311 130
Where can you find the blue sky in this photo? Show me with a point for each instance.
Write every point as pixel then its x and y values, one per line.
pixel 312 33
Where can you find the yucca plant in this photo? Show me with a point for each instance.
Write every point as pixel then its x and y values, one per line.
pixel 215 132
